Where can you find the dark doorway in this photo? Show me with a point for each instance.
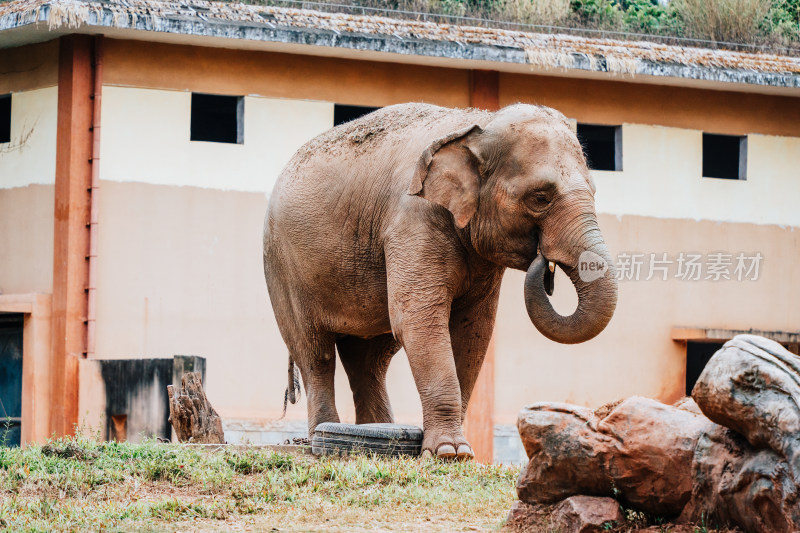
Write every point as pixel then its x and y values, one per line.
pixel 137 406
pixel 697 356
pixel 10 379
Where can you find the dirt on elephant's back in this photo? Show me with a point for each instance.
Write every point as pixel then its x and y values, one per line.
pixel 364 133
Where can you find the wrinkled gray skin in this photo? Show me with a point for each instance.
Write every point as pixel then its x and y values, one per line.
pixel 395 229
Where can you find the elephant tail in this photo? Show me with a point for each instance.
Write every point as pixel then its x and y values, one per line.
pixel 292 393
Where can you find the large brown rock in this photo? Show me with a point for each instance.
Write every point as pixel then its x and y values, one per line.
pixel 586 514
pixel 641 452
pixel 735 483
pixel 672 460
pixel 752 386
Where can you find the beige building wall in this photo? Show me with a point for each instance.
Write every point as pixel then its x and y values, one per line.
pixel 180 230
pixel 662 177
pixel 634 354
pixel 145 139
pixel 27 179
pixel 27 186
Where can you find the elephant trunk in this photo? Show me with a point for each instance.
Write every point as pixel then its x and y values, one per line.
pixel 594 279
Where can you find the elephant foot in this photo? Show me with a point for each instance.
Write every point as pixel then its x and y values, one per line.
pixel 446 446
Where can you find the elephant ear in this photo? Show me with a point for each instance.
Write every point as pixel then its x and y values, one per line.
pixel 448 174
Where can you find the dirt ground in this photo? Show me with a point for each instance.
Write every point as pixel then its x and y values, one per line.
pixel 80 484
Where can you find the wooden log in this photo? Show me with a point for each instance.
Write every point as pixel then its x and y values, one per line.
pixel 192 415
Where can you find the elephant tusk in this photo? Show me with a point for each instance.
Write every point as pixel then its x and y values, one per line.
pixel 552 266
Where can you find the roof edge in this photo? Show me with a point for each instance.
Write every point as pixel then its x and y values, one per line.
pixel 299 31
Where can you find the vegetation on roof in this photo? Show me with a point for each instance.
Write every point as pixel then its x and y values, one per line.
pixel 771 24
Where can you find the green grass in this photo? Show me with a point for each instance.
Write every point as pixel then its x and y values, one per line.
pixel 81 485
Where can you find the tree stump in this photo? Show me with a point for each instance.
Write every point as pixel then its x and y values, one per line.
pixel 192 415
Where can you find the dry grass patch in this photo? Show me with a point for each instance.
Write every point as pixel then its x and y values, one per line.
pixel 81 485
pixel 738 21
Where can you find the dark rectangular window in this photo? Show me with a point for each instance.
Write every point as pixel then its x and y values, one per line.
pixel 5 118
pixel 217 118
pixel 602 146
pixel 724 156
pixel 346 113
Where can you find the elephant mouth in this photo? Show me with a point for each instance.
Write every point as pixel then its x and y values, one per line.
pixel 549 276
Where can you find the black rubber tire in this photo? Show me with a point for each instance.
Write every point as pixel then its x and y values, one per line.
pixel 381 439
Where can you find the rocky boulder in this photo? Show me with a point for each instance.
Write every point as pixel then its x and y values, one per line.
pixel 737 484
pixel 752 386
pixel 641 452
pixel 732 457
pixel 586 514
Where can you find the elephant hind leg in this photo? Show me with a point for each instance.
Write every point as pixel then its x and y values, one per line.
pixel 366 361
pixel 314 354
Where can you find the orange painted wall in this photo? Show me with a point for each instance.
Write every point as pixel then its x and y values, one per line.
pixel 219 70
pixel 29 67
pixel 614 102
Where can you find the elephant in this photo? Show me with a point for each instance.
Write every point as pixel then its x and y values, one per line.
pixel 394 230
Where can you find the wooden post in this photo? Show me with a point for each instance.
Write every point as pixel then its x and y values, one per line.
pixel 72 219
pixel 479 422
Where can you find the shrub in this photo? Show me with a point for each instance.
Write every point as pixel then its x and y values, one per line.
pixel 644 16
pixel 783 20
pixel 598 14
pixel 739 21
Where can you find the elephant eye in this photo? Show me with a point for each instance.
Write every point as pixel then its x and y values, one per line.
pixel 540 199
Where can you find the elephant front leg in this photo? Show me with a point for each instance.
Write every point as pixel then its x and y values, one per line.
pixel 423 332
pixel 419 310
pixel 431 359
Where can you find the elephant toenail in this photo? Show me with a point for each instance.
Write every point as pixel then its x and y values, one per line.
pixel 446 450
pixel 465 452
pixel 426 454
